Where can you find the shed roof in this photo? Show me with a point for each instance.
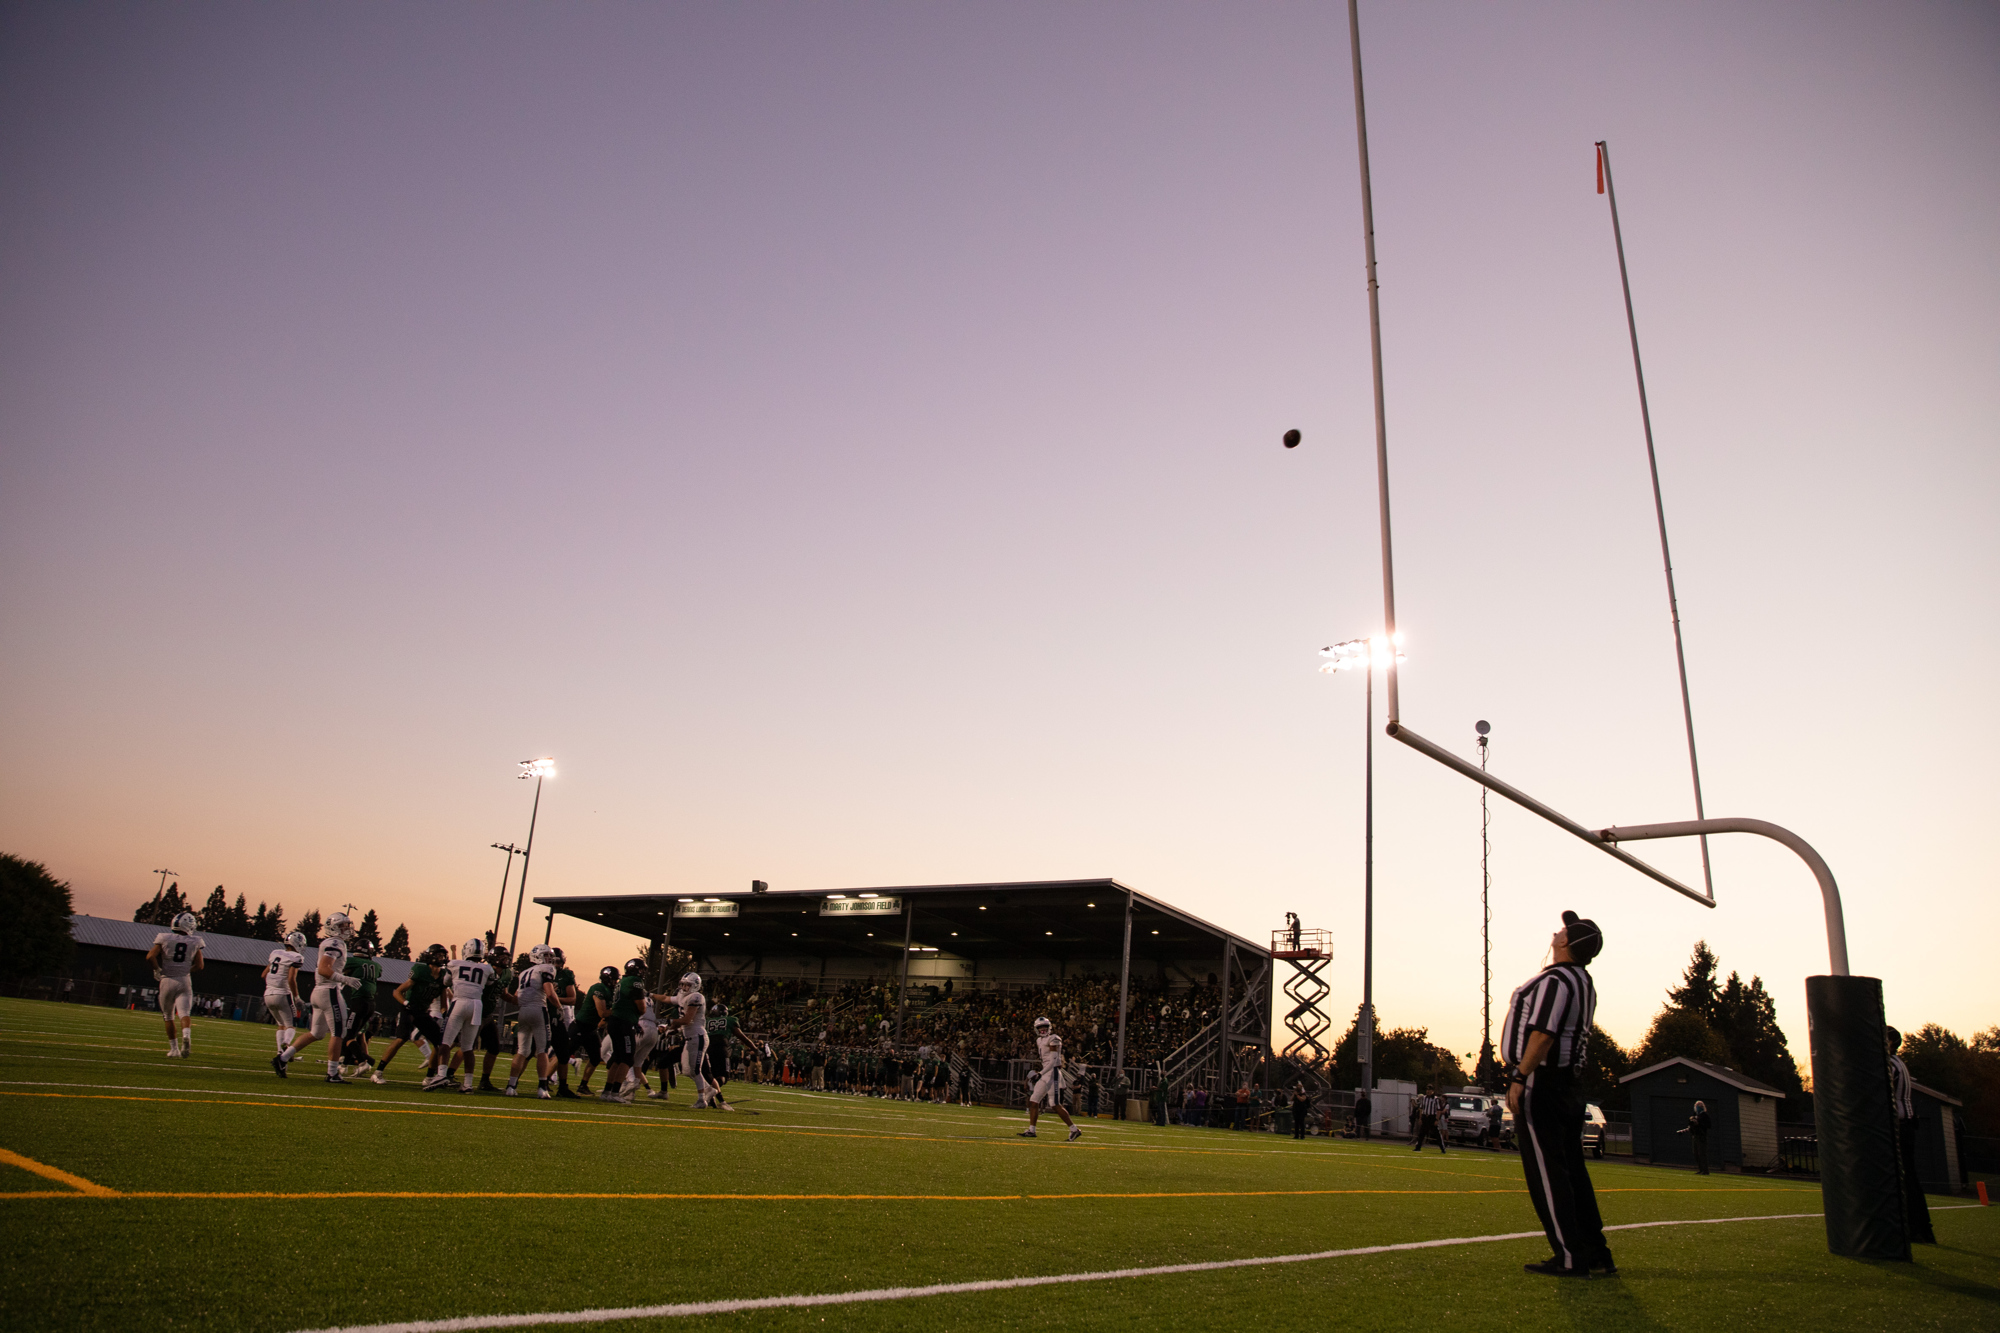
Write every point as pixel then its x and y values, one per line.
pixel 1933 1092
pixel 138 936
pixel 1721 1073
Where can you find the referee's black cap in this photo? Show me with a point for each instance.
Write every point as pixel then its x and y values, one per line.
pixel 1586 941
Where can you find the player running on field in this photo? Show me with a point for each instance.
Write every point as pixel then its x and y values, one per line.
pixel 422 986
pixel 281 986
pixel 1048 1087
pixel 329 999
pixel 177 954
pixel 534 996
pixel 461 1024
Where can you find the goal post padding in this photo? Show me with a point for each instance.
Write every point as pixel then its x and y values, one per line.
pixel 1859 1171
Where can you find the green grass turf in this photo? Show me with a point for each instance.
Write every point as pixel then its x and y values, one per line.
pixel 88 1091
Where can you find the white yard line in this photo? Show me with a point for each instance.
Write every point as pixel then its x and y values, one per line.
pixel 469 1322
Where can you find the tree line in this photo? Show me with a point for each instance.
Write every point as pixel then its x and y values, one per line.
pixel 219 916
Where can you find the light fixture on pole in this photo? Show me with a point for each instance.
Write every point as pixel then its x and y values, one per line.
pixel 538 769
pixel 505 873
pixel 1353 655
pixel 163 880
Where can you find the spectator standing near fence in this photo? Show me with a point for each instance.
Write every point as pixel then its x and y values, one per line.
pixel 1301 1111
pixel 1916 1208
pixel 1544 1042
pixel 1364 1111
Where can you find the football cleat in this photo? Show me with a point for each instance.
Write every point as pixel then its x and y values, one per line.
pixel 512 1091
pixel 658 1095
pixel 376 1077
pixel 278 1066
pixel 545 1095
pixel 1026 1134
pixel 1075 1133
pixel 335 1078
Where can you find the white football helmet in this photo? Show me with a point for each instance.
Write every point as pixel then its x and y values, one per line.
pixel 539 954
pixel 691 982
pixel 185 923
pixel 474 950
pixel 1042 1026
pixel 338 927
pixel 296 941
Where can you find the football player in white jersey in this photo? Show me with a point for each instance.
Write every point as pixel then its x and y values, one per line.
pixel 468 975
pixel 329 999
pixel 649 1040
pixel 177 954
pixel 1048 1088
pixel 535 998
pixel 281 986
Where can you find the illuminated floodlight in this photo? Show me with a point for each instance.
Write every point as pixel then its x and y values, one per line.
pixel 1357 653
pixel 537 768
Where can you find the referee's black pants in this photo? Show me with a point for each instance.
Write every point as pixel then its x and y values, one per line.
pixel 1916 1208
pixel 1551 1135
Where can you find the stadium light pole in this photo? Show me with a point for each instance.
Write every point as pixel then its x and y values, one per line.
pixel 506 872
pixel 538 769
pixel 1354 655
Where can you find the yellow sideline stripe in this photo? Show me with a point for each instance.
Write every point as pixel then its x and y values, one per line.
pixel 84 1188
pixel 563 1118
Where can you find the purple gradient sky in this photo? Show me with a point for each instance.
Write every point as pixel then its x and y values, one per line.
pixel 846 437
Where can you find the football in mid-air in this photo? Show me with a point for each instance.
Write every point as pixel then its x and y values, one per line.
pixel 1292 438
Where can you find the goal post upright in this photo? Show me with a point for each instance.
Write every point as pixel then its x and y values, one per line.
pixel 1860 1181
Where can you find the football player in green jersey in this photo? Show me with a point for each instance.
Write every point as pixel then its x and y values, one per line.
pixel 589 1015
pixel 562 1023
pixel 361 965
pixel 416 995
pixel 500 984
pixel 621 1024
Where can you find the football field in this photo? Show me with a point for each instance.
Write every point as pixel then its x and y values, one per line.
pixel 148 1193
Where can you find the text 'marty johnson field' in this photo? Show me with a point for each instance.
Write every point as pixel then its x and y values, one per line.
pixel 142 1193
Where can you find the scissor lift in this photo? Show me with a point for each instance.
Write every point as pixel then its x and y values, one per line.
pixel 1307 952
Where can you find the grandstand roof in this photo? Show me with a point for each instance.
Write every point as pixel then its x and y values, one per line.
pixel 1063 918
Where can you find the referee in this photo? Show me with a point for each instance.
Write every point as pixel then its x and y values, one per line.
pixel 1544 1042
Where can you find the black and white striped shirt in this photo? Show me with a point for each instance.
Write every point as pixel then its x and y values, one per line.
pixel 1899 1089
pixel 1560 1000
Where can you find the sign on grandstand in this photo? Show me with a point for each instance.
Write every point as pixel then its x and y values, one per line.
pixel 704 909
pixel 841 905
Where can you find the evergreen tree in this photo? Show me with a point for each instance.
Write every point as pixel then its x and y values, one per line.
pixel 1682 1032
pixel 238 922
pixel 399 944
pixel 275 923
pixel 309 926
pixel 1604 1063
pixel 1697 992
pixel 163 907
pixel 370 933
pixel 37 908
pixel 214 914
pixel 1747 1021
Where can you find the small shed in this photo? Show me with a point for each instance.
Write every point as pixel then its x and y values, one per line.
pixel 1743 1114
pixel 1939 1116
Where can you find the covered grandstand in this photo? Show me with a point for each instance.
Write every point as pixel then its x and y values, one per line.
pixel 1145 992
